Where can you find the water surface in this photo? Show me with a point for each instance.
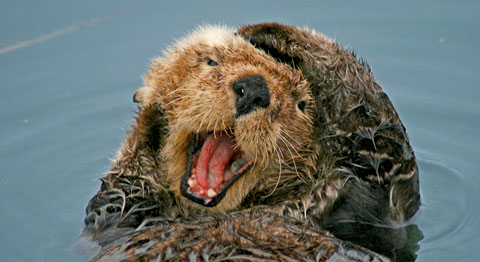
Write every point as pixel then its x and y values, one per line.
pixel 68 71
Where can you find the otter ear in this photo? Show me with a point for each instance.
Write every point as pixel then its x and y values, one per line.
pixel 282 42
pixel 143 95
pixel 157 83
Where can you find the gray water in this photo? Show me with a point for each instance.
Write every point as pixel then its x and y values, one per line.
pixel 68 70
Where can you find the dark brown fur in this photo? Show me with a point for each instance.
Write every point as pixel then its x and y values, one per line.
pixel 239 236
pixel 357 126
pixel 351 161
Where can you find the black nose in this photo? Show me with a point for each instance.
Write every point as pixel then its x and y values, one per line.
pixel 252 92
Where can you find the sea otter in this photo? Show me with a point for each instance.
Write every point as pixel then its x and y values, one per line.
pixel 248 144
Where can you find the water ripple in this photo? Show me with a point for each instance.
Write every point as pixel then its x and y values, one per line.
pixel 449 206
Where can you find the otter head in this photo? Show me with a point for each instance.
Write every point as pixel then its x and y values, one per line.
pixel 238 120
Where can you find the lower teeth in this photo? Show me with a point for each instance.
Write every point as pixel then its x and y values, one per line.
pixel 192 183
pixel 211 193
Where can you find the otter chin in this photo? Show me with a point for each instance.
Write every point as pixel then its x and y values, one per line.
pixel 215 162
pixel 271 124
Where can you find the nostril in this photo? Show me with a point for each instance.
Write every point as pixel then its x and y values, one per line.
pixel 252 92
pixel 242 92
pixel 239 87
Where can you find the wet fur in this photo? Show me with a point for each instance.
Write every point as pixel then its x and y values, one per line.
pixel 343 163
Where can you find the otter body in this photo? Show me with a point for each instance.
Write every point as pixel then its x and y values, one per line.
pixel 248 145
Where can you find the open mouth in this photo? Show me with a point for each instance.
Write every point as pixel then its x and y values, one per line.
pixel 214 163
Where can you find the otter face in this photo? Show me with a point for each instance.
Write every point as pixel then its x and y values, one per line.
pixel 237 119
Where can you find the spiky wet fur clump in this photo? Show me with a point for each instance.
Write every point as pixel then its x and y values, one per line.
pixel 329 147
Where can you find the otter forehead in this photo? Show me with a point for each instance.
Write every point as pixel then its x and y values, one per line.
pixel 208 36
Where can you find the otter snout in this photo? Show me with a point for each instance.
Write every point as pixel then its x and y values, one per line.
pixel 252 92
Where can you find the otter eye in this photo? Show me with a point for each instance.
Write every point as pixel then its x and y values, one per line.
pixel 212 62
pixel 301 105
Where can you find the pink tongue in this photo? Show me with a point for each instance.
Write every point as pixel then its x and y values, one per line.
pixel 216 152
